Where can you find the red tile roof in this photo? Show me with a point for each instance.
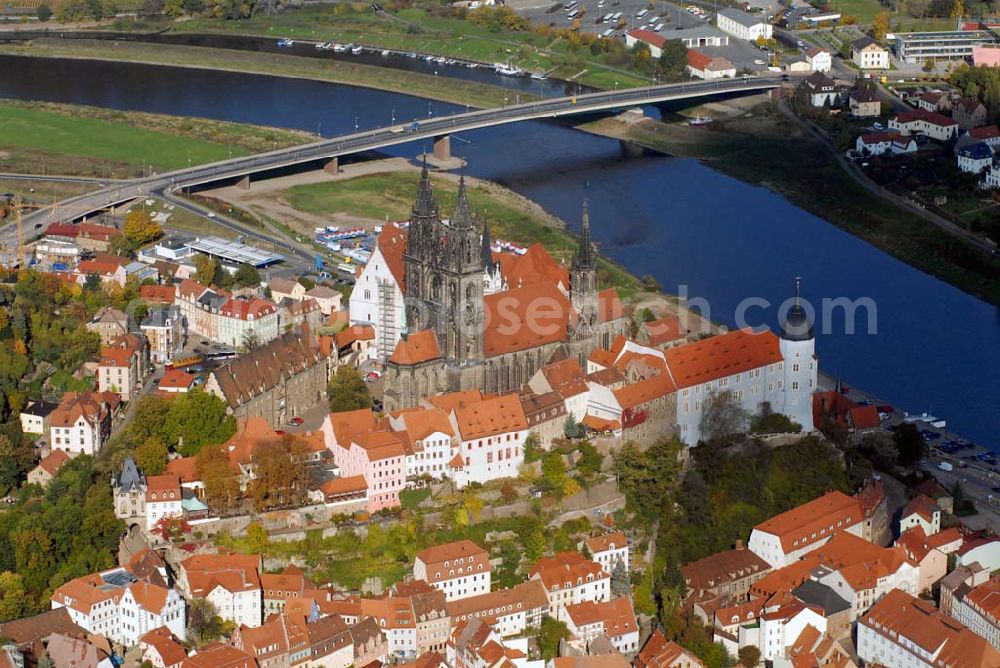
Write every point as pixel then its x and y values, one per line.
pixel 158 293
pixel 176 379
pixel 816 520
pixel 609 306
pixel 649 37
pixel 535 266
pixel 392 245
pixel 416 348
pixel 923 115
pixel 985 132
pixel 498 415
pixel 247 309
pixel 720 356
pixel 525 317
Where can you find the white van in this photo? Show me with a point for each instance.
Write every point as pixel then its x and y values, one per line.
pixel 641 13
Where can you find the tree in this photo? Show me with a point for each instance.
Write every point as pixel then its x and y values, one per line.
pixel 246 277
pixel 957 10
pixel 673 58
pixel 151 456
pixel 195 419
pixel 721 416
pixel 550 634
pixel 204 622
pixel 749 656
pixel 532 448
pixel 554 475
pixel 880 26
pixel 206 269
pixel 909 443
pixel 12 596
pixel 222 485
pixel 590 460
pixel 279 474
pixel 173 8
pixel 348 391
pixel 508 492
pixel 929 65
pixel 846 49
pixel 16 458
pixel 769 422
pixel 571 428
pixel 620 585
pixel 257 539
pixel 44 13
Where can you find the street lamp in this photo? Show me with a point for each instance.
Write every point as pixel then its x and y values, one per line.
pixel 393 117
pixel 429 110
pixel 355 123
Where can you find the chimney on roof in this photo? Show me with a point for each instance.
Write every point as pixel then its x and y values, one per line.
pixel 739 545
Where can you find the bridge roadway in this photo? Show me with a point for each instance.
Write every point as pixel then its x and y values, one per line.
pixel 432 127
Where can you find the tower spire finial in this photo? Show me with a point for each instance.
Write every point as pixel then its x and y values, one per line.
pixel 584 258
pixel 798 290
pixel 463 212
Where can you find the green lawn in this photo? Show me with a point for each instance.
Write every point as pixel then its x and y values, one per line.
pixel 411 498
pixel 32 129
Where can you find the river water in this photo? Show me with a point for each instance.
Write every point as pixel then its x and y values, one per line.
pixel 694 229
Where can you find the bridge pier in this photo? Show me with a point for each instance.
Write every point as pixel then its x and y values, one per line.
pixel 442 148
pixel 244 183
pixel 332 166
pixel 630 149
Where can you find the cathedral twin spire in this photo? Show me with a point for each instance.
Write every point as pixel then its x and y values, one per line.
pixel 584 257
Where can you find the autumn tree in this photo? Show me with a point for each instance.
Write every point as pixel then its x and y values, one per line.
pixel 348 391
pixel 257 539
pixel 12 596
pixel 749 656
pixel 222 485
pixel 140 228
pixel 204 622
pixel 280 475
pixel 880 26
pixel 151 456
pixel 957 10
pixel 206 269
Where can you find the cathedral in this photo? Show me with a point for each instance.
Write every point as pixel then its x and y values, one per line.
pixel 469 326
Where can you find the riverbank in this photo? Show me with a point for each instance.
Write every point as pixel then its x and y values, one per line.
pixel 77 140
pixel 759 146
pixel 455 91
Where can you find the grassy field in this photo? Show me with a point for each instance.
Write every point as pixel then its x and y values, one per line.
pixel 765 148
pixel 391 194
pixel 422 85
pixel 417 30
pixel 41 191
pixel 47 138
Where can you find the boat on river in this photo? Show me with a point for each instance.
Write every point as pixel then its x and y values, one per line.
pixel 508 70
pixel 698 121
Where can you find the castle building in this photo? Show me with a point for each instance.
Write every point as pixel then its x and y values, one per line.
pixel 462 330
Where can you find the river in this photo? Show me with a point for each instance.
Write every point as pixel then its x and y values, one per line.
pixel 936 348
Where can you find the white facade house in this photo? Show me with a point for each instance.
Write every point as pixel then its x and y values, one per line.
pixel 919 121
pixel 461 569
pixel 785 538
pixel 868 55
pixel 975 158
pixel 761 368
pixel 118 606
pixel 614 619
pixel 608 550
pixel 230 581
pixel 431 441
pixel 863 585
pixel 491 437
pixel 991 178
pixel 819 60
pixel 780 627
pixel 377 297
pixel 901 630
pixel 82 422
pixel 570 578
pixel 745 26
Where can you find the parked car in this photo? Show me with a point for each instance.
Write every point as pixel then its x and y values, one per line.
pixel 295 421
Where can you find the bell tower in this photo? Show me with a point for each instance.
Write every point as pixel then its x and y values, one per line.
pixel 583 292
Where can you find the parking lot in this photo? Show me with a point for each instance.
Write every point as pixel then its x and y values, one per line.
pixel 590 14
pixel 601 17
